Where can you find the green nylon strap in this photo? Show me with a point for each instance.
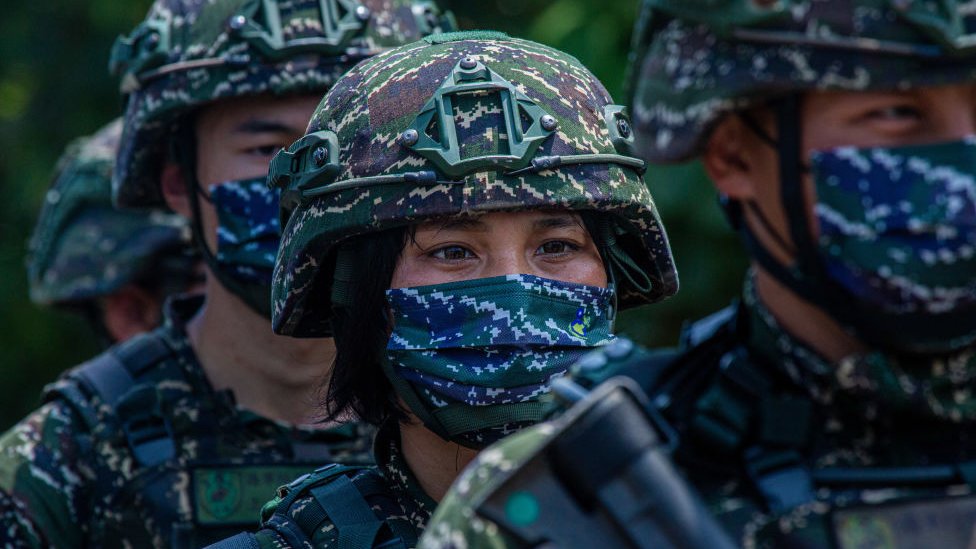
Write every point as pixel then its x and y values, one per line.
pixel 347 267
pixel 347 508
pixel 413 402
pixel 479 417
pixel 621 264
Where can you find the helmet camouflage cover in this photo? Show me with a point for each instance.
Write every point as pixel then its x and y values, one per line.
pixel 693 60
pixel 456 124
pixel 191 52
pixel 82 247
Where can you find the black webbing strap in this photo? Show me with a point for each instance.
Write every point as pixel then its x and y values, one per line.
pixel 355 521
pixel 112 374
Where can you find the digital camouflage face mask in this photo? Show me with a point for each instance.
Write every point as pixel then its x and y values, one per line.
pixel 897 231
pixel 473 358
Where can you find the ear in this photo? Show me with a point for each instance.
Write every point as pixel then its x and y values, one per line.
pixel 730 159
pixel 130 311
pixel 174 190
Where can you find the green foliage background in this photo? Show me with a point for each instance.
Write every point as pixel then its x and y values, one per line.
pixel 54 86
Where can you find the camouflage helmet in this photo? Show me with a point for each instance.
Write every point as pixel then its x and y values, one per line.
pixel 191 52
pixel 693 60
pixel 457 124
pixel 82 247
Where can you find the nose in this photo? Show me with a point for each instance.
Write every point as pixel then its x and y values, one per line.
pixel 510 260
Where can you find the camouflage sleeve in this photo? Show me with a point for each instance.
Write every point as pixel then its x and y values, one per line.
pixel 455 524
pixel 42 481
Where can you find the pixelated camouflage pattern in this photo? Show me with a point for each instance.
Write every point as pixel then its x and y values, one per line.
pixel 66 484
pixel 466 345
pixel 870 410
pixel 455 524
pixel 204 60
pixel 512 316
pixel 405 506
pixel 83 248
pixel 693 60
pixel 920 416
pixel 376 101
pixel 897 227
pixel 248 230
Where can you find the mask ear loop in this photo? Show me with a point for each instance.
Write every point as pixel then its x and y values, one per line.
pixel 753 125
pixel 183 148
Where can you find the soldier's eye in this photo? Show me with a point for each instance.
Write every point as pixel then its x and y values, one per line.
pixel 896 113
pixel 556 247
pixel 452 253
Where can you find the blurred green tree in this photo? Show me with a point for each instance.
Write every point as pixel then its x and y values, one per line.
pixel 54 87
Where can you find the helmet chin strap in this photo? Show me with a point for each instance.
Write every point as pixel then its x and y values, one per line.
pixel 184 151
pixel 797 277
pixel 807 276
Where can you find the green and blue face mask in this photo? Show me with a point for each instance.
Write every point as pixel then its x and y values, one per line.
pixel 471 359
pixel 897 233
pixel 248 235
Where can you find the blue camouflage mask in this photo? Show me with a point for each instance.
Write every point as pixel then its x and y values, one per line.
pixel 472 358
pixel 897 232
pixel 248 235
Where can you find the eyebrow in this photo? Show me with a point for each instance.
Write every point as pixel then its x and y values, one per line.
pixel 558 221
pixel 257 125
pixel 464 224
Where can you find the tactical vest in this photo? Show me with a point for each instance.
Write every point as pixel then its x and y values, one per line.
pixel 175 474
pixel 350 500
pixel 729 407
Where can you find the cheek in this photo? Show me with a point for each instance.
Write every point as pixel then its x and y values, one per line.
pixel 413 271
pixel 587 268
pixel 222 165
pixel 591 272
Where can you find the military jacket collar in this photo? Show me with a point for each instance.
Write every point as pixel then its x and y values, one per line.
pixel 416 504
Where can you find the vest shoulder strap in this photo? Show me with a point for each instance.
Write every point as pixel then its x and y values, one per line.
pixel 119 379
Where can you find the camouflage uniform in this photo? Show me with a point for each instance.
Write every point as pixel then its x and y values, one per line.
pixel 135 448
pixel 83 248
pixel 457 124
pixel 788 449
pixel 169 463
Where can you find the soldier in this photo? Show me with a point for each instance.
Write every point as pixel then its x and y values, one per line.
pixel 833 406
pixel 168 439
pixel 465 214
pixel 114 267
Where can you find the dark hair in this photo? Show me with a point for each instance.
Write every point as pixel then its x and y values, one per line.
pixel 361 327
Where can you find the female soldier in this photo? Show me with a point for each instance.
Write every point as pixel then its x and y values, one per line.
pixel 465 218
